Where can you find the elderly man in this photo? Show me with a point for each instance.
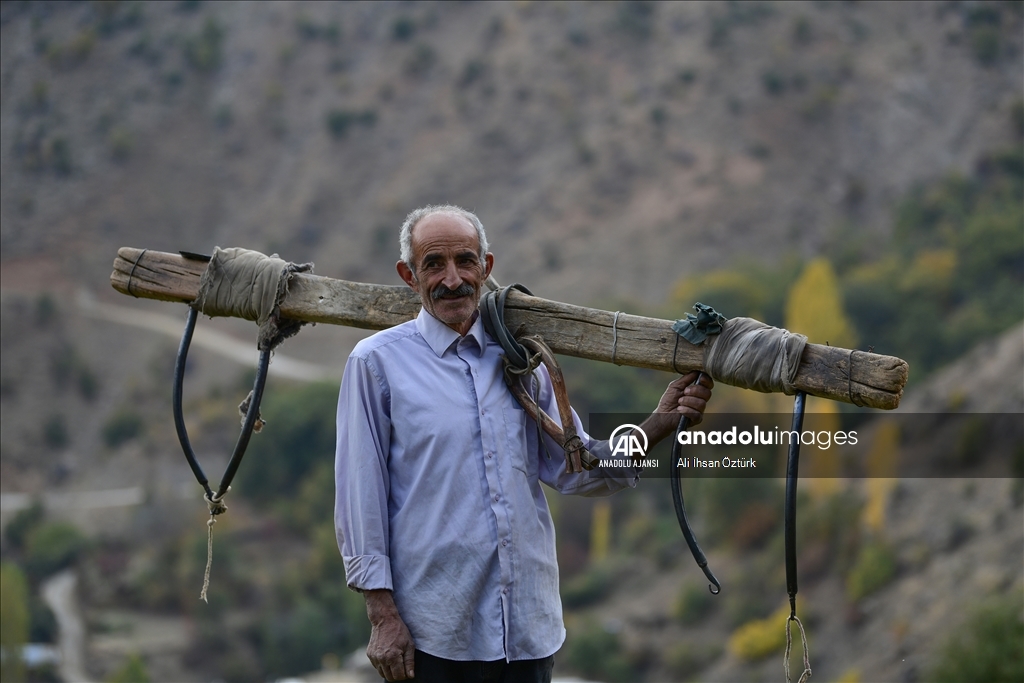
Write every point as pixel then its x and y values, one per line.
pixel 440 516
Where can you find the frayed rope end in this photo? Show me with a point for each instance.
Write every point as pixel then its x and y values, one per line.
pixel 217 507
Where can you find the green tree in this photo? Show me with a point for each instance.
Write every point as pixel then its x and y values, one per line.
pixel 300 432
pixel 27 519
pixel 989 648
pixel 51 547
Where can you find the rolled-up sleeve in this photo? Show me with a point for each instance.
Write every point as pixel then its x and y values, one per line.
pixel 361 476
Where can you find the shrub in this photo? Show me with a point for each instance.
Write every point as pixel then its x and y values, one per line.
pixel 121 143
pixel 52 547
pixel 115 16
pixel 761 637
pixel 990 648
pixel 985 45
pixel 204 51
pixel 774 83
pixel 223 116
pixel 403 29
pixel 595 652
pixel 420 61
pixel 55 432
pixel 471 72
pixel 24 521
pixel 46 309
pixel 315 500
pixel 310 30
pixel 586 588
pixel 67 365
pixel 694 603
pixel 659 116
pixel 121 427
pixel 297 641
pixel 40 99
pixel 755 524
pixel 74 53
pixel 300 432
pixel 88 384
pixel 340 120
pixel 802 33
pixel 982 22
pixel 875 567
pixel 133 670
pixel 60 155
pixel 724 503
pixel 1017 118
pixel 636 19
pixel 14 620
pixel 686 659
pixel 42 621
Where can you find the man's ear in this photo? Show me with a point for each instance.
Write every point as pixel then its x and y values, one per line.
pixel 488 264
pixel 405 272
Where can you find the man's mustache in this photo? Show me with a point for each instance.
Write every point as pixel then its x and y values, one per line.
pixel 442 292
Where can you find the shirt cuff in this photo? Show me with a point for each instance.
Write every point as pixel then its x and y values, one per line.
pixel 368 572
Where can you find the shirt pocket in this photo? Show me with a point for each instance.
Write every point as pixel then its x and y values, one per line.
pixel 520 454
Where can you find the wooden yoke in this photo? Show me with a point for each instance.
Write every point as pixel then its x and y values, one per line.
pixel 877 381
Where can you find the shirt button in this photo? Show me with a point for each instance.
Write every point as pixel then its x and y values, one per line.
pixel 504 542
pixel 504 591
pixel 490 455
pixel 496 497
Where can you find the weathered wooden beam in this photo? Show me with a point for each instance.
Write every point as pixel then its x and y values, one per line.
pixel 877 381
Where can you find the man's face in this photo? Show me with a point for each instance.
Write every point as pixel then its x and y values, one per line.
pixel 446 268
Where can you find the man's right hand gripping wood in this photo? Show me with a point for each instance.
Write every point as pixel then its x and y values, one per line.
pixel 391 648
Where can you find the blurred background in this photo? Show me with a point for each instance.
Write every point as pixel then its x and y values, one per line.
pixel 849 170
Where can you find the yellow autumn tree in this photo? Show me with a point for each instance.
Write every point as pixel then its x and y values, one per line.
pixel 881 465
pixel 820 468
pixel 814 307
pixel 600 530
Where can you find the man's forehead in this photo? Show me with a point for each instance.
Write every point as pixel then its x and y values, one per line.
pixel 444 227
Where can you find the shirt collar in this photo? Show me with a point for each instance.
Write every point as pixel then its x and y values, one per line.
pixel 440 337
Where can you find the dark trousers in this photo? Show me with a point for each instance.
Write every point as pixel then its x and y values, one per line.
pixel 431 669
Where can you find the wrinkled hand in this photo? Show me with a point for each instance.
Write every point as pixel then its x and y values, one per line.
pixel 686 397
pixel 391 647
pixel 683 396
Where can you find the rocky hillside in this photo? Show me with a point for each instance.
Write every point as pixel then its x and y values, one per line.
pixel 612 149
pixel 656 137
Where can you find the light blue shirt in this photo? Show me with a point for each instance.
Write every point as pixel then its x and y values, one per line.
pixel 438 493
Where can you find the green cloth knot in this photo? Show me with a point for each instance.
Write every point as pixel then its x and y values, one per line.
pixel 696 328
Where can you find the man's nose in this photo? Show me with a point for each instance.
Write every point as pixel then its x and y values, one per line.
pixel 452 279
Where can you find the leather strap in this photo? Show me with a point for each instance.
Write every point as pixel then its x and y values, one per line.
pixel 521 357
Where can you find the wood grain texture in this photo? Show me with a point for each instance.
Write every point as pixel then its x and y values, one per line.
pixel 859 377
